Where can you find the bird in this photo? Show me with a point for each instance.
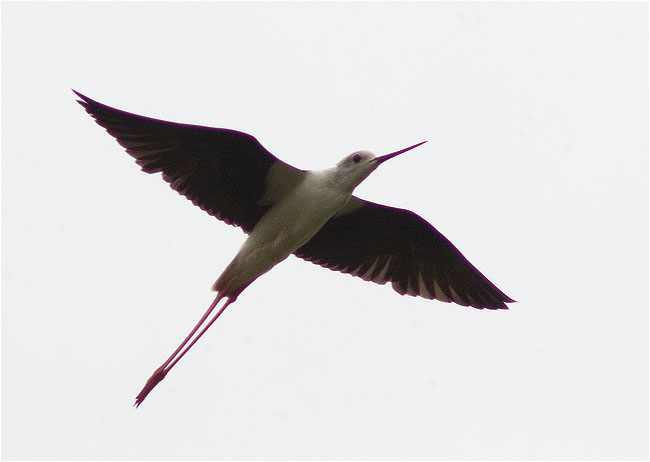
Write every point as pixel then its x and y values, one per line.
pixel 311 214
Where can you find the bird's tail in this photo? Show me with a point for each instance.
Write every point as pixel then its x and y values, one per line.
pixel 226 285
pixel 235 278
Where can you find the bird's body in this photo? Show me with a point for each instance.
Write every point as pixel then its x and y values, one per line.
pixel 285 227
pixel 285 210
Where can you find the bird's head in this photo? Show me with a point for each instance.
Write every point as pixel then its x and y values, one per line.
pixel 356 167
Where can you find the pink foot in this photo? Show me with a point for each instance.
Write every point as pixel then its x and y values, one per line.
pixel 150 385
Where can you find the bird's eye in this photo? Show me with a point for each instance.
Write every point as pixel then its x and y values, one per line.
pixel 356 158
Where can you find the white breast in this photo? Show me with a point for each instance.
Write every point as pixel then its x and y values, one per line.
pixel 288 225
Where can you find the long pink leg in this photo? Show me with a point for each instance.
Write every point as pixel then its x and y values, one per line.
pixel 162 371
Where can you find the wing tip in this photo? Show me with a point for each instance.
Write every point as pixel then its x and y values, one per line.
pixel 83 99
pixel 86 103
pixel 497 303
pixel 501 304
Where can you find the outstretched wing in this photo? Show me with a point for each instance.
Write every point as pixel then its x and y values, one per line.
pixel 385 244
pixel 227 173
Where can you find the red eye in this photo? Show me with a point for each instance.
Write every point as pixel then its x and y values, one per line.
pixel 356 158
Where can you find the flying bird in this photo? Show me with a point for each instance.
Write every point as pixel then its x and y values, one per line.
pixel 286 210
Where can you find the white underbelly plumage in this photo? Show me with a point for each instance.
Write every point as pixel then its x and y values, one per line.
pixel 286 226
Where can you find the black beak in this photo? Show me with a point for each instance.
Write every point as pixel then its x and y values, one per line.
pixel 384 158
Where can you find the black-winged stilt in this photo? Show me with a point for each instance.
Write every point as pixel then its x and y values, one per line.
pixel 285 210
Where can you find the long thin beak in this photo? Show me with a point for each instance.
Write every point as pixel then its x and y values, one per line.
pixel 384 158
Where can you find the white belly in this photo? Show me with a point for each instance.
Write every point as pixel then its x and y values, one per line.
pixel 288 225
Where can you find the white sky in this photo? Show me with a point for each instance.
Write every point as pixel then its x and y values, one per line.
pixel 536 168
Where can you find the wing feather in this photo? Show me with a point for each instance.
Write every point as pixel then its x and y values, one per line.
pixel 222 171
pixel 386 244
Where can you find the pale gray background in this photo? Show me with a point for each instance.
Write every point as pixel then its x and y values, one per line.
pixel 536 168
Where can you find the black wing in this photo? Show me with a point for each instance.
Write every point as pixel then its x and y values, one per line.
pixel 381 244
pixel 227 173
